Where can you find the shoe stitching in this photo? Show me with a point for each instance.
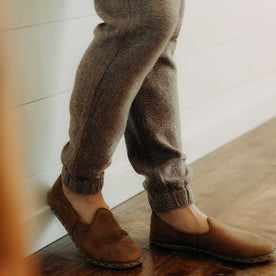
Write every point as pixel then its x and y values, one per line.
pixel 225 257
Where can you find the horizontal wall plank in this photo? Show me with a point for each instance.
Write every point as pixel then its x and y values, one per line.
pixel 208 73
pixel 44 58
pixel 202 74
pixel 201 18
pixel 207 23
pixel 213 123
pixel 22 14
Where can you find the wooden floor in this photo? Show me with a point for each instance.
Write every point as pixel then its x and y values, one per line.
pixel 236 184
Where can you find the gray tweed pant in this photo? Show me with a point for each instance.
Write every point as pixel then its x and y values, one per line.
pixel 126 83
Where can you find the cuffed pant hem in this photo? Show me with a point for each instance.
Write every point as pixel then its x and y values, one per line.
pixel 162 202
pixel 83 185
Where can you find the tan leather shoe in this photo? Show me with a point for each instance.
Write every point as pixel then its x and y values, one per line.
pixel 221 241
pixel 102 242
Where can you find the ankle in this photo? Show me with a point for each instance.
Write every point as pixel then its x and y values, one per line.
pixel 85 205
pixel 185 211
pixel 91 199
pixel 188 218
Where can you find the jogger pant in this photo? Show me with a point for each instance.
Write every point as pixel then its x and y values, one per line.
pixel 126 84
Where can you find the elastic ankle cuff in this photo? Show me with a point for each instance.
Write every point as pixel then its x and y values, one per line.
pixel 162 202
pixel 83 185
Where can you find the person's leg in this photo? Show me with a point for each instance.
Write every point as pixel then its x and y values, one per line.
pixel 153 140
pixel 124 49
pixel 153 135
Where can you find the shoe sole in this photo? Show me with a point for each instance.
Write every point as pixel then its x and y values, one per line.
pixel 259 259
pixel 97 262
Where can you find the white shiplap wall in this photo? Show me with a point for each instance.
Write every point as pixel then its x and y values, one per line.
pixel 226 78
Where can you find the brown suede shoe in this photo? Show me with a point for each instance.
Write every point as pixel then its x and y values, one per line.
pixel 221 241
pixel 102 242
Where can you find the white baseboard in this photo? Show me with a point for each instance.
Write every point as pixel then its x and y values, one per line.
pixel 205 127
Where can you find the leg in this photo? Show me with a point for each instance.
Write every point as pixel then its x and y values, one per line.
pixel 124 49
pixel 153 140
pixel 153 136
